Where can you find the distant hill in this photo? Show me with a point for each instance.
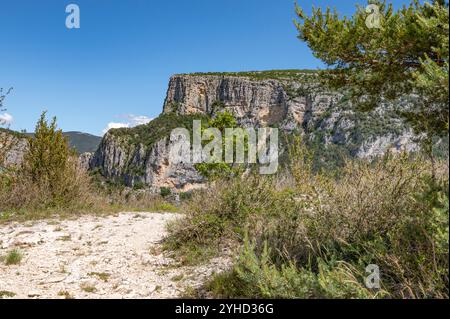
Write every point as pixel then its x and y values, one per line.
pixel 81 142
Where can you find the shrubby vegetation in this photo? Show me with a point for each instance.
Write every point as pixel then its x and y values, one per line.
pixel 219 169
pixel 311 235
pixel 408 54
pixel 50 181
pixel 49 176
pixel 157 129
pixel 262 75
pixel 310 232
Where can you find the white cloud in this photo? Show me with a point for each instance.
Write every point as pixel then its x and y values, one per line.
pixel 139 119
pixel 112 125
pixel 132 121
pixel 6 119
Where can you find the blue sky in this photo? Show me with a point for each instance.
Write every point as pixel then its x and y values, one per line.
pixel 115 68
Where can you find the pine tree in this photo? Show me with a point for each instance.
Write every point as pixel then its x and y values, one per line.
pixel 405 55
pixel 47 161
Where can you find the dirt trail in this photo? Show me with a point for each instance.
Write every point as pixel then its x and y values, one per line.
pixel 96 257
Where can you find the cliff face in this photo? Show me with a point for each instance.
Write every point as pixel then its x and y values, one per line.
pixel 140 156
pixel 291 101
pixel 12 148
pixel 139 165
pixel 254 102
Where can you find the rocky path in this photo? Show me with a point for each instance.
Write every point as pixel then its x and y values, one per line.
pixel 95 257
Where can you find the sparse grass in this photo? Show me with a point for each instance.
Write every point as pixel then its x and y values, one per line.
pixel 6 294
pixel 88 288
pixel 178 277
pixel 190 292
pixel 100 275
pixel 103 205
pixel 14 257
pixel 65 238
pixel 65 294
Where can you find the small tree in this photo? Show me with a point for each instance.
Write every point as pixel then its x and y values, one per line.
pixel 220 169
pixel 406 54
pixel 47 162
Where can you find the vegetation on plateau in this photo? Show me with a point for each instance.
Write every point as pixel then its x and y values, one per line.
pixel 262 75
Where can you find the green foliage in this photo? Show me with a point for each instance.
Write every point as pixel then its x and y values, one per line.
pixel 256 276
pixel 165 191
pixel 220 169
pixel 49 176
pixel 408 54
pixel 185 196
pixel 157 129
pixel 261 75
pixel 223 216
pixel 311 235
pixel 14 257
pixel 82 142
pixel 48 154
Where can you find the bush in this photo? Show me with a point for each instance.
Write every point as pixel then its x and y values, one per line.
pixel 49 176
pixel 14 257
pixel 165 191
pixel 312 236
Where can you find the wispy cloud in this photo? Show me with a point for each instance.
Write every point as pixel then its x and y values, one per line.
pixel 6 119
pixel 131 121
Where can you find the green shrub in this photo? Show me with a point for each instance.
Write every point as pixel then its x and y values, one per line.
pixel 14 257
pixel 312 235
pixel 165 191
pixel 256 276
pixel 49 176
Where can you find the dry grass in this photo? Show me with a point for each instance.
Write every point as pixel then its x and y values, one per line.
pixel 307 235
pixel 22 199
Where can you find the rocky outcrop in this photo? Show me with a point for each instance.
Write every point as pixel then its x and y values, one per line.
pixel 293 102
pixel 138 165
pixel 253 102
pixel 84 160
pixel 13 147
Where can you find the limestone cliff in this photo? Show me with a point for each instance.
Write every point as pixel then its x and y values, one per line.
pixel 139 156
pixel 13 146
pixel 290 100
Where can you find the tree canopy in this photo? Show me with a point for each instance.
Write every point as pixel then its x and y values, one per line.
pixel 405 55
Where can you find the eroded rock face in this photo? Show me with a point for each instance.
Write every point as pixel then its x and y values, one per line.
pixel 253 102
pixel 139 165
pixel 293 105
pixel 12 148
